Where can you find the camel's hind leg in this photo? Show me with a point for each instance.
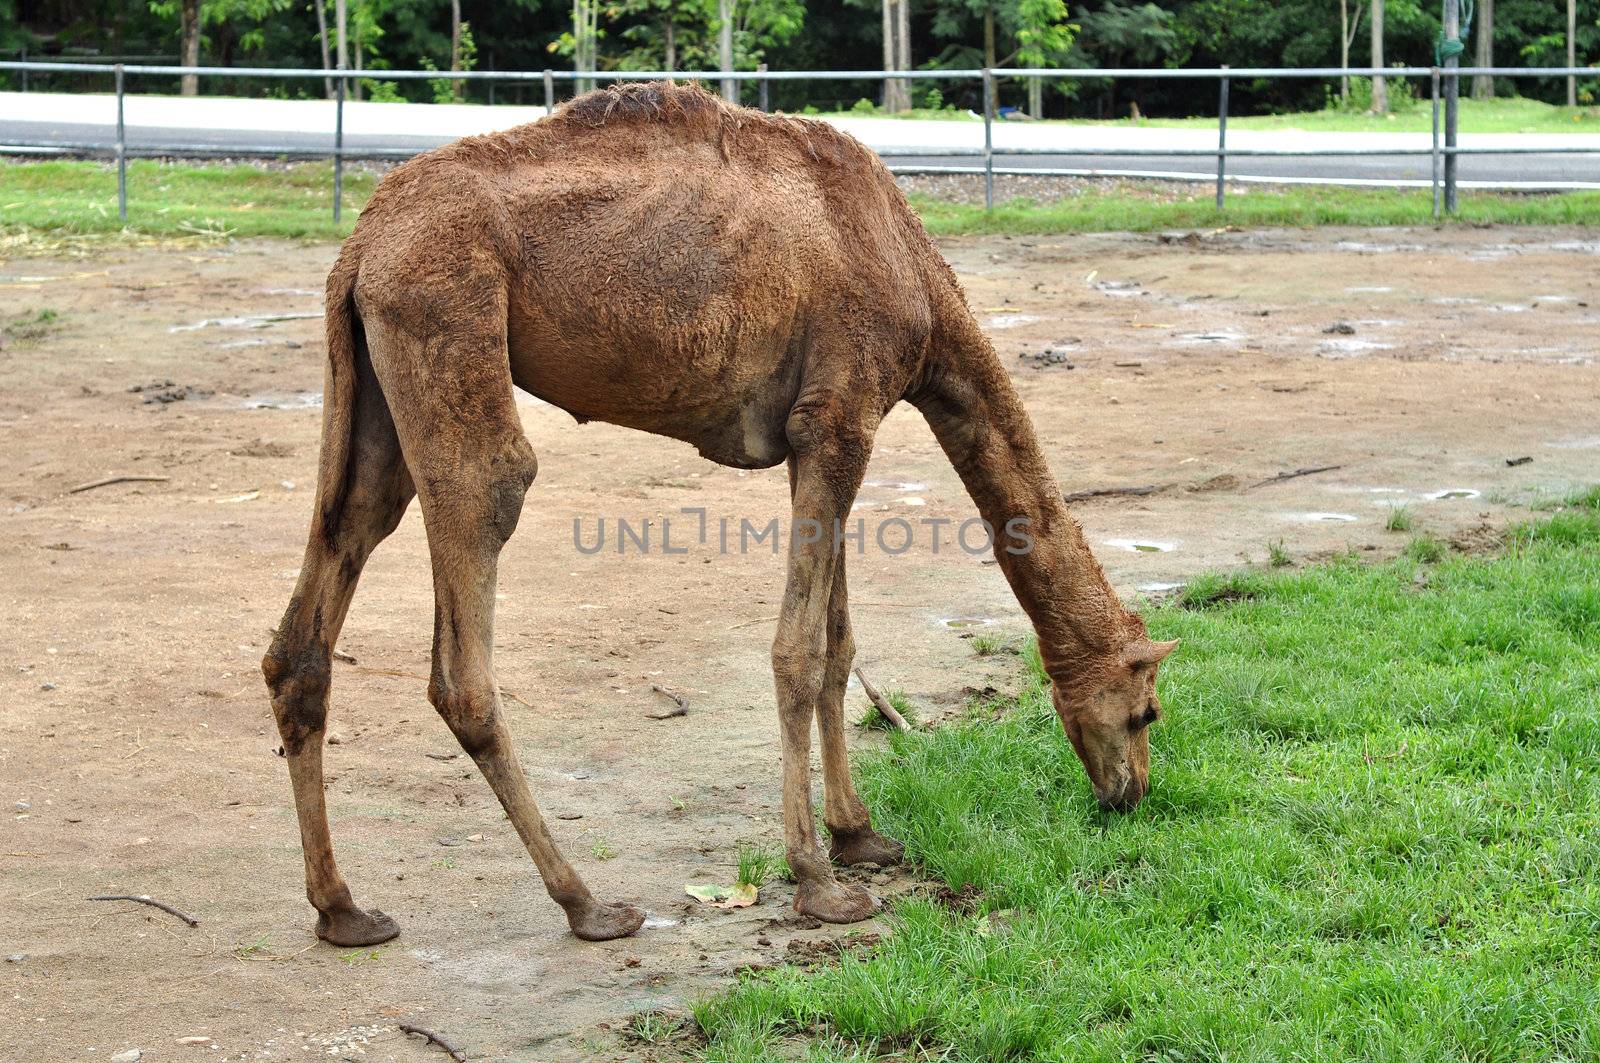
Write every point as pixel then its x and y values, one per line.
pixel 851 837
pixel 458 425
pixel 376 491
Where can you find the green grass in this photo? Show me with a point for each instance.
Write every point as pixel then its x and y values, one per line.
pixel 758 863
pixel 1372 835
pixel 1400 519
pixel 872 719
pixel 73 199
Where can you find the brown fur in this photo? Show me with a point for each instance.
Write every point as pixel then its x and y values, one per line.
pixel 753 285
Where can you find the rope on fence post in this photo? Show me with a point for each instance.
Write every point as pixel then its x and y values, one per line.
pixel 988 139
pixel 338 150
pixel 122 154
pixel 1222 142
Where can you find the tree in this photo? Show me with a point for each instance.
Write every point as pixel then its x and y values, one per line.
pixel 1347 37
pixel 1572 51
pixel 1124 35
pixel 322 43
pixel 1483 84
pixel 189 50
pixel 730 88
pixel 667 35
pixel 1036 31
pixel 1380 90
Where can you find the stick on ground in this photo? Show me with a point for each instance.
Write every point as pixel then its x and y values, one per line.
pixel 428 1035
pixel 889 712
pixel 165 907
pixel 680 706
pixel 1296 474
pixel 1107 492
pixel 109 480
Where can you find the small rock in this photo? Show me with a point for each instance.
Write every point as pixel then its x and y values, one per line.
pixel 1340 328
pixel 47 686
pixel 130 1055
pixel 16 957
pixel 195 1040
pixel 569 815
pixel 474 837
pixel 449 842
pixel 335 738
pixel 22 806
pixel 763 941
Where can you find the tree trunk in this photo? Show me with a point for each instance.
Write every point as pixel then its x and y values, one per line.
pixel 1483 84
pixel 669 37
pixel 730 87
pixel 891 53
pixel 341 16
pixel 455 46
pixel 355 56
pixel 904 37
pixel 1380 90
pixel 1036 97
pixel 1344 49
pixel 988 56
pixel 1572 51
pixel 189 31
pixel 583 43
pixel 322 40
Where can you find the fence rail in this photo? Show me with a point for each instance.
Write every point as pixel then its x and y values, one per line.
pixel 1443 81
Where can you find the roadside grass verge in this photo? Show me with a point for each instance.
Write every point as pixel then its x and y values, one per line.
pixel 1374 834
pixel 78 199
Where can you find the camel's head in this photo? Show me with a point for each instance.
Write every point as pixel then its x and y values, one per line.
pixel 1108 719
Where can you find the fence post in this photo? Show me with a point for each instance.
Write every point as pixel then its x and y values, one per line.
pixel 1222 141
pixel 338 150
pixel 1436 167
pixel 549 93
pixel 988 139
pixel 763 98
pixel 1452 95
pixel 24 73
pixel 122 154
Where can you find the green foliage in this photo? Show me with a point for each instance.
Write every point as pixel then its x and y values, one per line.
pixel 1400 519
pixel 1372 835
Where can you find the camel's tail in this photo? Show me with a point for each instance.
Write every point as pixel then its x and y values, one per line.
pixel 338 397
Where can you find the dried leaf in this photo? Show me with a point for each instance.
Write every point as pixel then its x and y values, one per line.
pixel 741 896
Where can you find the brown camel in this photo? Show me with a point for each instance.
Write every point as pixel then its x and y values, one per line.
pixel 754 285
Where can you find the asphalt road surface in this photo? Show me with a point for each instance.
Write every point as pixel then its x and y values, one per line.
pixel 1515 171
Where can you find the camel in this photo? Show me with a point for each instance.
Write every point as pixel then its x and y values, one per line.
pixel 754 285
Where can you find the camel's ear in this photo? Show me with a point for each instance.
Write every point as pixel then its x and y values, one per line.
pixel 1146 654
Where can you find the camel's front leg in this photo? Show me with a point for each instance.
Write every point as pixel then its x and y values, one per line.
pixel 851 837
pixel 826 470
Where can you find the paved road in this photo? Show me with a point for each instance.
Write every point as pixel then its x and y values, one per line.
pixel 222 125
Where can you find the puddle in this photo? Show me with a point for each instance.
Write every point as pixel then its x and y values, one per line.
pixel 1455 300
pixel 658 922
pixel 1454 492
pixel 1161 588
pixel 1375 249
pixel 1350 348
pixel 1323 518
pixel 1507 308
pixel 895 485
pixel 1119 289
pixel 960 622
pixel 1555 299
pixel 1387 491
pixel 1578 443
pixel 1226 335
pixel 914 500
pixel 242 343
pixel 1141 546
pixel 287 400
pixel 248 321
pixel 1011 320
pixel 290 291
pixel 1371 289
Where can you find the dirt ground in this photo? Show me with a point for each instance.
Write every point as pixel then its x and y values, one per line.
pixel 137 751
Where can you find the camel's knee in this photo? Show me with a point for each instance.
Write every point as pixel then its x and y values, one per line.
pixel 471 712
pixel 514 474
pixel 298 680
pixel 798 667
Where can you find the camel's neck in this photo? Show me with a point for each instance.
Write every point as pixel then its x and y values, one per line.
pixel 980 422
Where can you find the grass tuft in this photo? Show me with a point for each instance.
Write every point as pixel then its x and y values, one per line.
pixel 1374 833
pixel 874 720
pixel 758 864
pixel 1425 549
pixel 1278 555
pixel 1400 519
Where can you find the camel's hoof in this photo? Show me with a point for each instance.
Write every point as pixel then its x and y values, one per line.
pixel 864 846
pixel 834 902
pixel 351 927
pixel 602 922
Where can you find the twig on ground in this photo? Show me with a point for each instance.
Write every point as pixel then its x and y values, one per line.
pixel 1296 474
pixel 428 1035
pixel 164 906
pixel 340 655
pixel 109 480
pixel 1106 492
pixel 889 712
pixel 680 706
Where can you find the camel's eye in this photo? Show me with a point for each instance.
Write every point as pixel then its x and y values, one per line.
pixel 1150 716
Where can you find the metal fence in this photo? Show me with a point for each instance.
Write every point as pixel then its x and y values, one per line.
pixel 1444 82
